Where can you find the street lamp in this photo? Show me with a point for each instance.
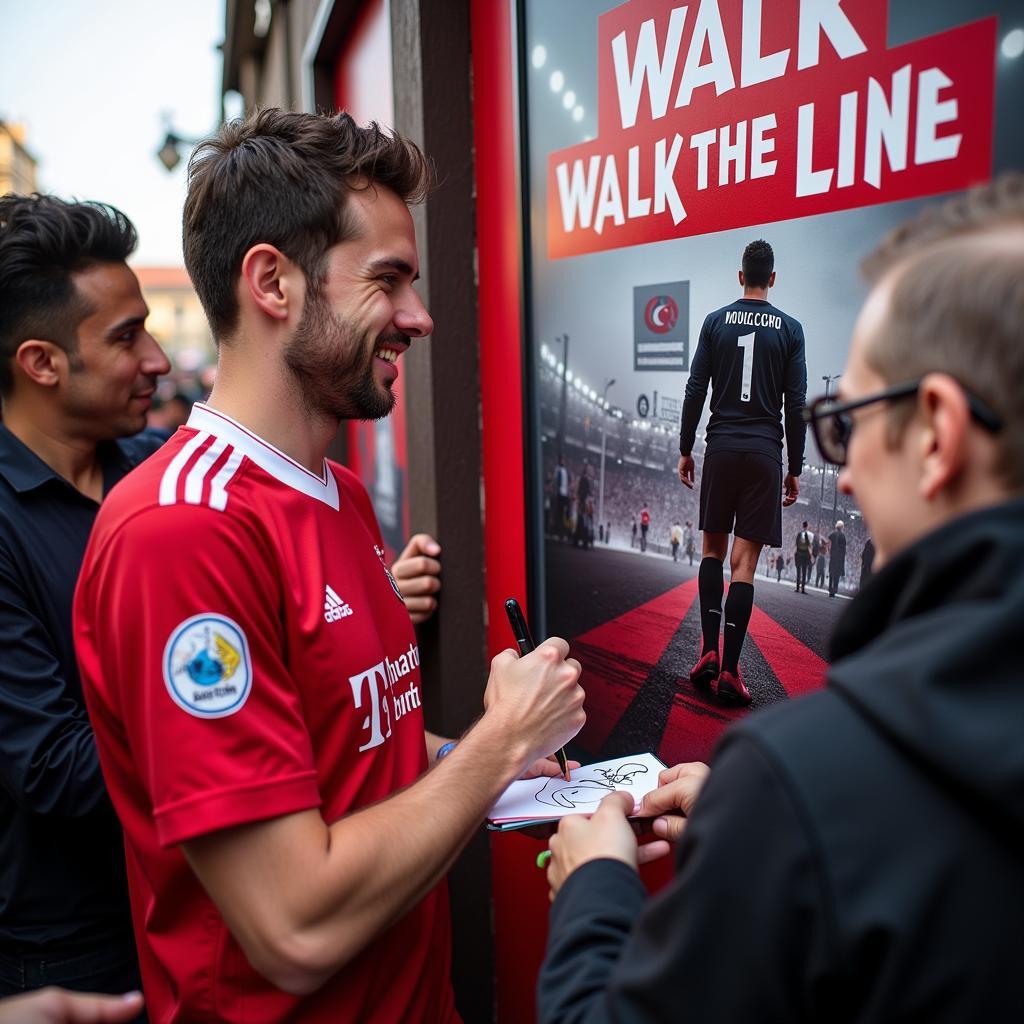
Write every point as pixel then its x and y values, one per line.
pixel 824 467
pixel 169 153
pixel 609 381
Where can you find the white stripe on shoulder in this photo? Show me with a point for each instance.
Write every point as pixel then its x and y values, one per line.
pixel 197 474
pixel 169 481
pixel 218 492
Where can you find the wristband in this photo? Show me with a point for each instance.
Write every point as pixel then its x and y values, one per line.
pixel 445 749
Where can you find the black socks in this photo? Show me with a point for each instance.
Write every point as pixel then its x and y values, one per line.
pixel 738 606
pixel 737 615
pixel 709 589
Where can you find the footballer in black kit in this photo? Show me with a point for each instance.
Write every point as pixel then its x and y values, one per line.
pixel 752 355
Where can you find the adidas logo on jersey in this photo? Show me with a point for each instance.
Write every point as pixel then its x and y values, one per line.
pixel 334 607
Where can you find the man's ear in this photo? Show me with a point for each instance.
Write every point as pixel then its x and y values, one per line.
pixel 739 275
pixel 944 437
pixel 272 281
pixel 771 280
pixel 43 362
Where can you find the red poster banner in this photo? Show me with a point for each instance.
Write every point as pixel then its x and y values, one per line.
pixel 726 113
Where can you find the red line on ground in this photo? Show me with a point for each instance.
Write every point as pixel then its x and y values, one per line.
pixel 696 721
pixel 618 656
pixel 798 669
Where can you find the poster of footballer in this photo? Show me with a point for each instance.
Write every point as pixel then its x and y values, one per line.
pixel 662 139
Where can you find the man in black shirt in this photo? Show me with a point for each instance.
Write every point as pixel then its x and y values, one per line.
pixel 802 557
pixel 836 558
pixel 77 375
pixel 752 354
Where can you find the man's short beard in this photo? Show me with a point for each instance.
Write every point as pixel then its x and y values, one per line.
pixel 333 365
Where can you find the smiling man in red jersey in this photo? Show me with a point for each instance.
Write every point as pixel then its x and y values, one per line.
pixel 258 707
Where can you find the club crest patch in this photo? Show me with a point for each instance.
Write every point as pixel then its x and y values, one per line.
pixel 207 667
pixel 387 570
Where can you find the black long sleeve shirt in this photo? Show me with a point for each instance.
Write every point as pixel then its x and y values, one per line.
pixel 62 877
pixel 752 354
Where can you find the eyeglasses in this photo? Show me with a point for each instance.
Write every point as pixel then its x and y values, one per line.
pixel 832 423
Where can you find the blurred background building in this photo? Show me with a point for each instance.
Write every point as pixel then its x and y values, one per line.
pixel 17 164
pixel 176 318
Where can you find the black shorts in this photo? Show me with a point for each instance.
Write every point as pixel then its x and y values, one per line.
pixel 741 493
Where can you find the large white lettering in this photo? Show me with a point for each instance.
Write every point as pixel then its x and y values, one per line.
pixel 657 71
pixel 886 128
pixel 577 197
pixel 372 684
pixel 887 125
pixel 665 190
pixel 828 17
pixel 577 194
pixel 654 68
pixel 718 70
pixel 928 147
pixel 609 204
pixel 755 68
pixel 808 181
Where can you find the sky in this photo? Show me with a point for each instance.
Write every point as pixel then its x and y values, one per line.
pixel 91 82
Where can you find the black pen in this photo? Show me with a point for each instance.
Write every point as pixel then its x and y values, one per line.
pixel 524 641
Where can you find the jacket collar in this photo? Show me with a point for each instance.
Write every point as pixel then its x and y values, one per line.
pixel 968 559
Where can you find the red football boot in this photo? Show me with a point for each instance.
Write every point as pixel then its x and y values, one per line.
pixel 705 672
pixel 731 689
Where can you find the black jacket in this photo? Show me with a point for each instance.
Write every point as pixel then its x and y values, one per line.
pixel 62 875
pixel 837 553
pixel 857 854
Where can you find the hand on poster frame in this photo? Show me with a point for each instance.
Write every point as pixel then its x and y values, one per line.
pixel 417 572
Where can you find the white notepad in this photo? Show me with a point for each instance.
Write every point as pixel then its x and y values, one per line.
pixel 537 800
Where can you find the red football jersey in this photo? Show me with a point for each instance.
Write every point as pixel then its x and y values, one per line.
pixel 246 654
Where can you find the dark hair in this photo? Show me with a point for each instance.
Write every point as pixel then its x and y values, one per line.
pixel 758 264
pixel 956 305
pixel 283 178
pixel 43 242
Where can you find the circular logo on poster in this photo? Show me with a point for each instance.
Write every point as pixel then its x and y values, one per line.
pixel 206 666
pixel 643 406
pixel 661 314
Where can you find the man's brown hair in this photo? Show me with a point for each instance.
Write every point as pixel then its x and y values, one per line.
pixel 956 306
pixel 283 178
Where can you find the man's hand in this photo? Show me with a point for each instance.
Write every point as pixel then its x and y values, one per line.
pixel 548 767
pixel 581 838
pixel 58 1006
pixel 686 470
pixel 791 487
pixel 670 804
pixel 535 701
pixel 417 571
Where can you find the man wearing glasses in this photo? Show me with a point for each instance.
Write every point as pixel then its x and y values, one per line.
pixel 856 855
pixel 752 354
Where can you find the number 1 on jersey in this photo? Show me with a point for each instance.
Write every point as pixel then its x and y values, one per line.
pixel 747 344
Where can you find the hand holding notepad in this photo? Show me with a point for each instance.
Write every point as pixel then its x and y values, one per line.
pixel 535 801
